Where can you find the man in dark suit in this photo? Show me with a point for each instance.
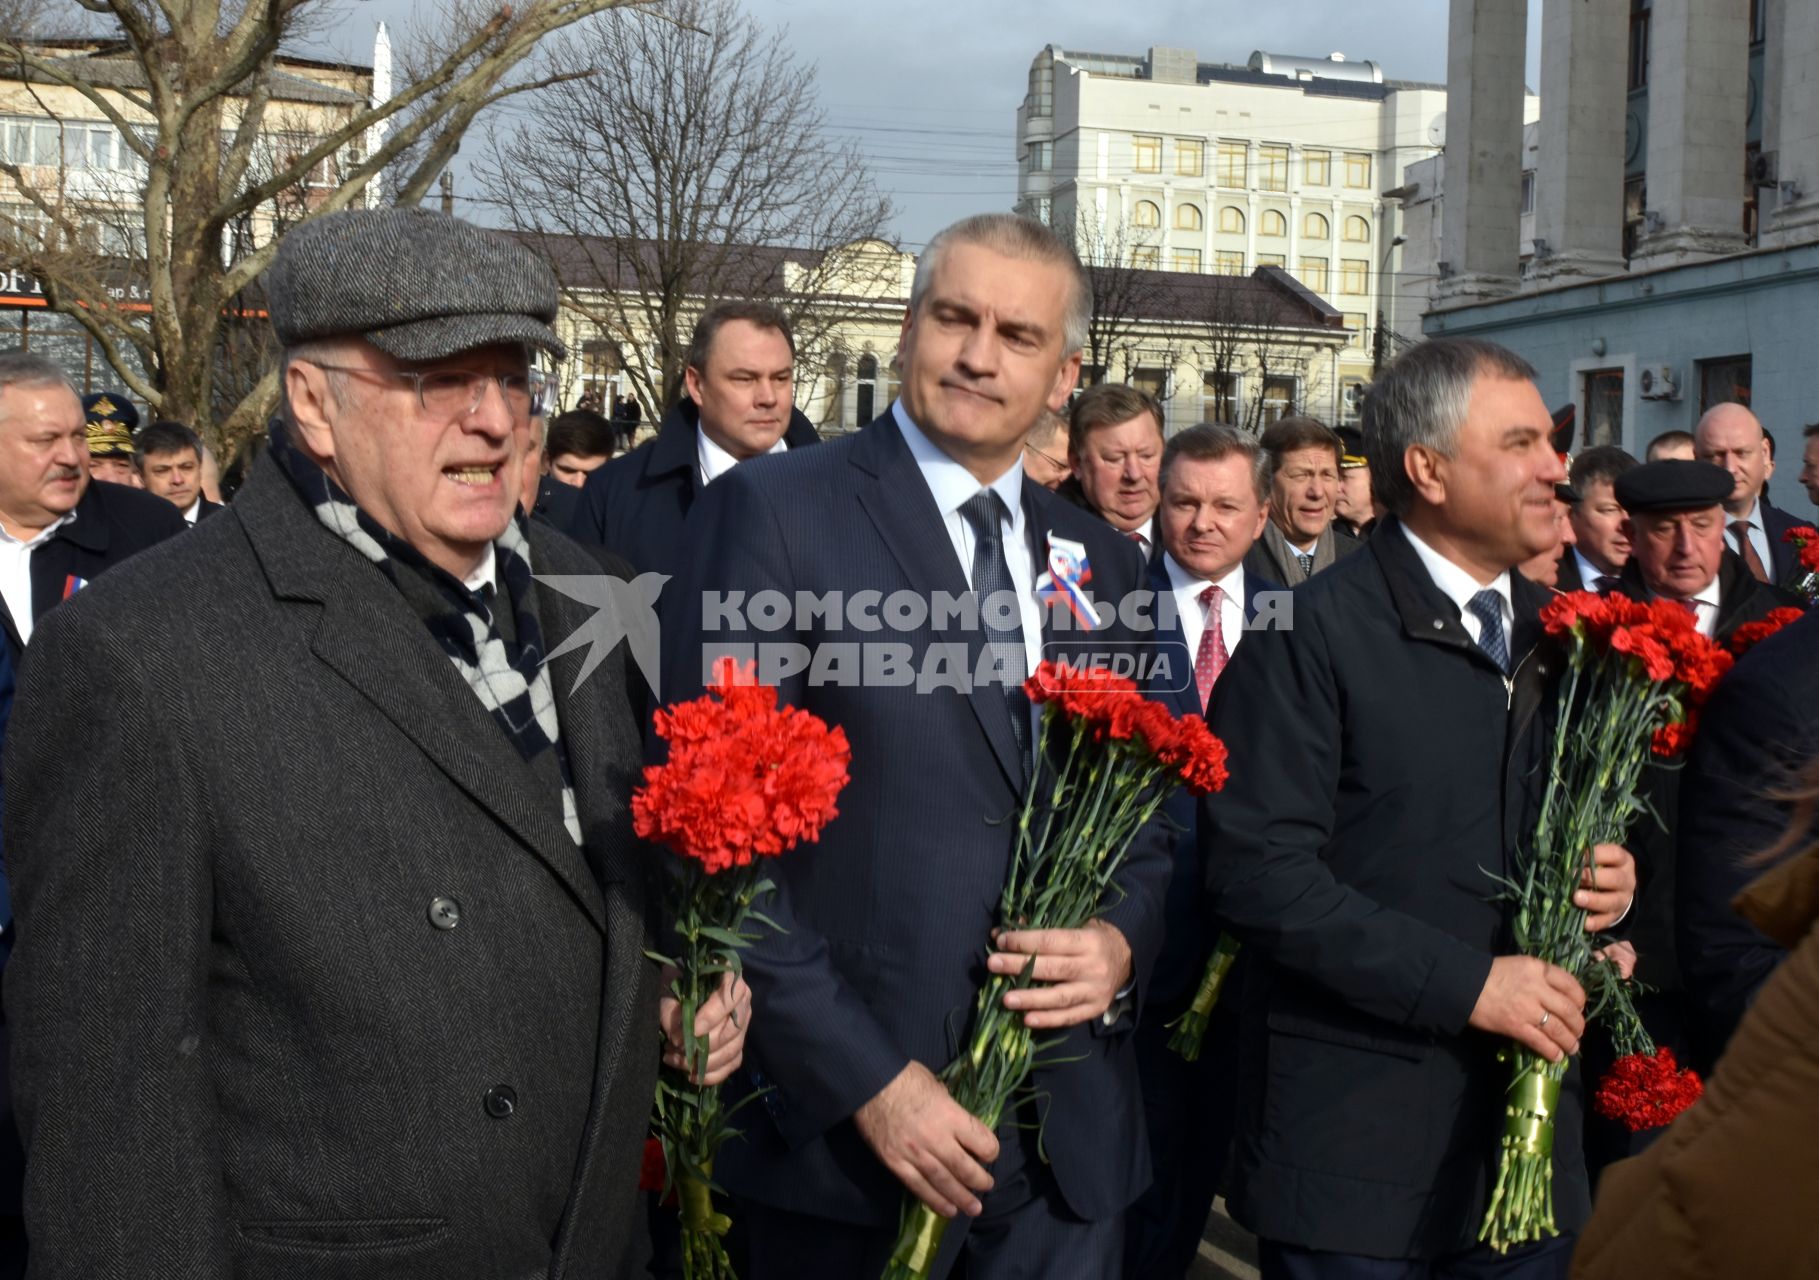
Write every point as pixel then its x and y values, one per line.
pixel 363 920
pixel 1676 531
pixel 1303 535
pixel 1401 723
pixel 740 377
pixel 1114 448
pixel 577 444
pixel 170 466
pixel 863 993
pixel 1600 546
pixel 60 529
pixel 1755 735
pixel 1214 504
pixel 1730 436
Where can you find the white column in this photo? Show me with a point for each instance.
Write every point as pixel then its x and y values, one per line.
pixel 1480 237
pixel 1579 180
pixel 1797 163
pixel 1697 112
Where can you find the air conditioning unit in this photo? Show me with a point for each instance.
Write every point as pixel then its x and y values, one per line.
pixel 1658 383
pixel 1765 169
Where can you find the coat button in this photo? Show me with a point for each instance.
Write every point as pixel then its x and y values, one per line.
pixel 500 1101
pixel 444 913
pixel 1439 624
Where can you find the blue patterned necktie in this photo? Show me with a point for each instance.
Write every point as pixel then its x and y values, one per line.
pixel 991 576
pixel 1487 607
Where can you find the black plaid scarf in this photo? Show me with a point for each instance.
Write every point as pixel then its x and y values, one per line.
pixel 510 678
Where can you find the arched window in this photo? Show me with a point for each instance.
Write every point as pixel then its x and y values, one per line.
pixel 1187 217
pixel 1231 218
pixel 868 388
pixel 1146 214
pixel 1315 227
pixel 1272 224
pixel 1357 230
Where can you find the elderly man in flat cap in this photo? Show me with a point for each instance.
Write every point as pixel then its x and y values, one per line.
pixel 346 977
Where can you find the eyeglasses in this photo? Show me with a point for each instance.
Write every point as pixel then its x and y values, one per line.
pixel 453 393
pixel 1056 463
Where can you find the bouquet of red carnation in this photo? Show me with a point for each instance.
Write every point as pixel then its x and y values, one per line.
pixel 1805 541
pixel 1751 634
pixel 1117 757
pixel 1636 676
pixel 745 780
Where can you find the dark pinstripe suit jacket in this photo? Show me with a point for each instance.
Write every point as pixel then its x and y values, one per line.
pixel 239 773
pixel 886 920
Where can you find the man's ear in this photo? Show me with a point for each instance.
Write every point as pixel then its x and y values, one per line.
pixel 312 409
pixel 1426 470
pixel 691 383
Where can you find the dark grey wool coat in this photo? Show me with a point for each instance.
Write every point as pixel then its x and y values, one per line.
pixel 311 981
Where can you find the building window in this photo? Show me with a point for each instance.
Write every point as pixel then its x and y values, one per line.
pixel 1357 230
pixel 1351 401
pixel 1153 382
pixel 1040 157
pixel 1187 260
pixel 1528 191
pixel 1044 210
pixel 867 387
pixel 1233 165
pixel 1146 154
pixel 1272 168
pixel 1228 262
pixel 1187 217
pixel 1317 168
pixel 1272 223
pixel 1315 227
pixel 1272 260
pixel 1278 398
pixel 1218 397
pixel 1146 257
pixel 1635 196
pixel 1639 42
pixel 1357 171
pixel 1231 220
pixel 1603 407
pixel 1041 99
pixel 1190 157
pixel 1355 322
pixel 33 142
pixel 1146 213
pixel 1354 276
pixel 1725 380
pixel 1313 274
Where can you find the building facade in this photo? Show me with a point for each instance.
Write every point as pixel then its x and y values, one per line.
pixel 1166 162
pixel 1673 261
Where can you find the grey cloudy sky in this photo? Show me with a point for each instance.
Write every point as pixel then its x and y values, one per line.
pixel 931 87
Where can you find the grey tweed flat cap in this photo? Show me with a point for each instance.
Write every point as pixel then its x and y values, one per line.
pixel 416 283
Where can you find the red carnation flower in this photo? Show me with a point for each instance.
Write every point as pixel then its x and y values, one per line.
pixel 652 1171
pixel 1751 634
pixel 1646 1091
pixel 1805 540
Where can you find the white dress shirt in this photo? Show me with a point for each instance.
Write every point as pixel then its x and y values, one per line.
pixel 1144 536
pixel 1460 586
pixel 16 574
pixel 1192 613
pixel 1589 573
pixel 194 510
pixel 952 485
pixel 712 462
pixel 1758 537
pixel 1705 608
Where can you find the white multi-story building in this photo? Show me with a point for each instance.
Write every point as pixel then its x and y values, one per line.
pixel 1165 161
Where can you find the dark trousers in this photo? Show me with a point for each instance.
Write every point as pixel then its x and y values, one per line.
pixel 1548 1260
pixel 1026 1232
pixel 1190 1110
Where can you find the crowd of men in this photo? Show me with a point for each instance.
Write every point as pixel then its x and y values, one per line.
pixel 330 931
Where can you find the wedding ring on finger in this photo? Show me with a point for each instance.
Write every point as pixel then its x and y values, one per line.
pixel 1544 1018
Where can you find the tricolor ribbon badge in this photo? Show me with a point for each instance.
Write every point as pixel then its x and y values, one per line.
pixel 1066 579
pixel 73 584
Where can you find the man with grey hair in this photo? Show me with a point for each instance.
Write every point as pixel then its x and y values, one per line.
pixel 59 528
pixel 862 992
pixel 1403 720
pixel 363 921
